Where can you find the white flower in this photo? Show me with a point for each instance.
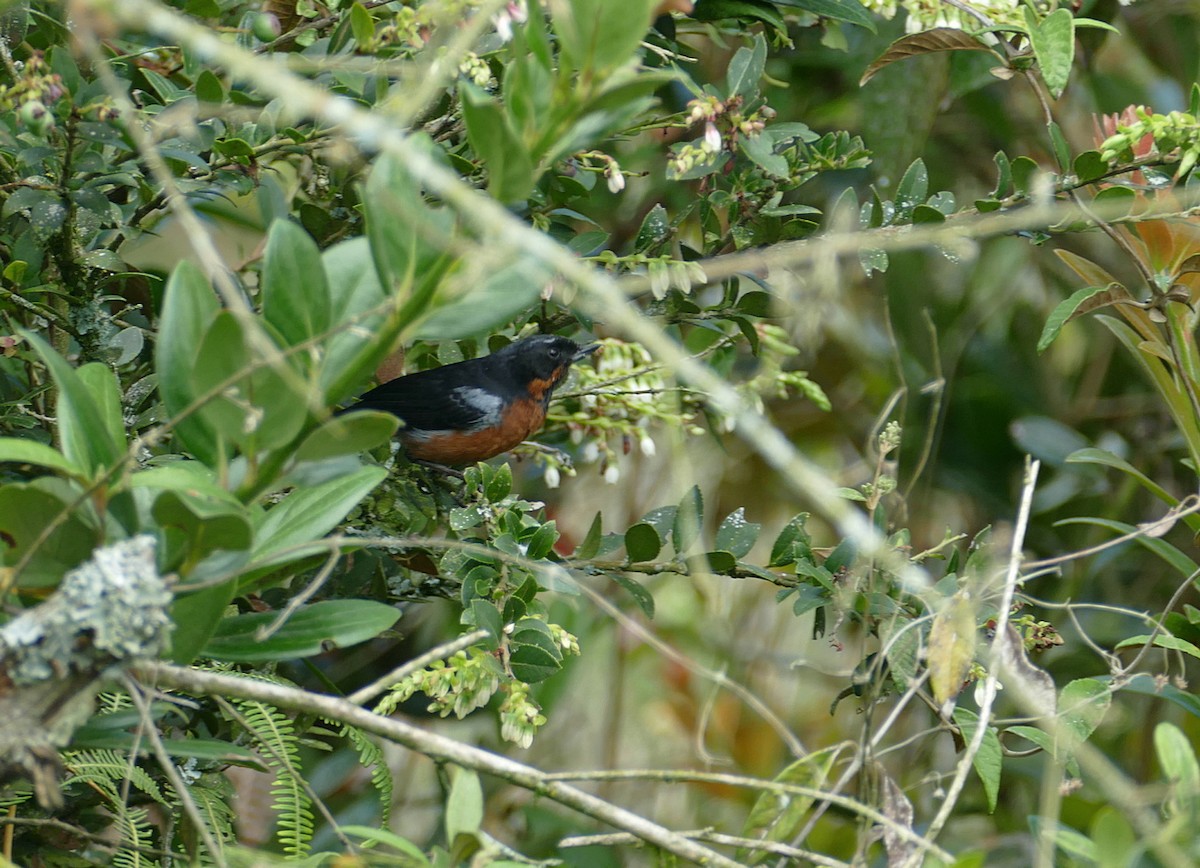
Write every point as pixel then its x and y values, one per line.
pixel 553 477
pixel 616 181
pixel 712 137
pixel 646 444
pixel 612 473
pixel 503 24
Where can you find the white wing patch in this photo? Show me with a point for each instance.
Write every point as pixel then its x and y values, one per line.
pixel 481 401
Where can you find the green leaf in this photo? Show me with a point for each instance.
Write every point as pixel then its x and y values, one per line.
pixel 484 615
pixel 641 596
pixel 371 835
pixel 208 524
pixel 850 11
pixel 354 287
pixel 542 541
pixel 1107 459
pixel 534 656
pixel 760 149
pixel 308 514
pixel 654 230
pixel 1146 685
pixel 21 451
pixel 587 549
pixel 913 187
pixel 736 535
pixel 348 435
pixel 196 616
pixel 842 556
pixel 1088 166
pixel 464 805
pixel 402 227
pixel 27 512
pixel 1114 838
pixel 251 404
pixel 101 383
pixel 746 68
pixel 1074 844
pixel 362 25
pixel 499 486
pixel 793 542
pixel 688 520
pixel 1082 705
pixel 989 760
pixel 310 630
pixel 642 543
pixel 721 562
pixel 597 36
pixel 1004 181
pixel 189 307
pixel 776 817
pixel 87 439
pixel 1173 556
pixel 1023 171
pixel 209 88
pixel 1053 42
pixel 1162 640
pixel 1114 203
pixel 504 295
pixel 1082 301
pixel 1177 759
pixel 1062 151
pixel 754 10
pixel 295 298
pixel 509 164
pixel 927 214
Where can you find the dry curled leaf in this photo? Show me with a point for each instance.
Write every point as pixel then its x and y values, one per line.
pixel 1033 684
pixel 951 647
pixel 929 42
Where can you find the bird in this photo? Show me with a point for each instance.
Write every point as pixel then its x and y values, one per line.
pixel 474 410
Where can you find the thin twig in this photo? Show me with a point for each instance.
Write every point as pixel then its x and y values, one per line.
pixel 669 776
pixel 991 682
pixel 214 850
pixel 441 652
pixel 437 747
pixel 262 634
pixel 709 835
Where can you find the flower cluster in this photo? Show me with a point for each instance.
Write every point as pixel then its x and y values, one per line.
pixel 461 684
pixel 475 68
pixel 30 94
pixel 1139 132
pixel 929 14
pixel 618 402
pixel 520 716
pixel 716 114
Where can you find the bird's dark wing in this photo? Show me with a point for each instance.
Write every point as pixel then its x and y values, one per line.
pixel 433 400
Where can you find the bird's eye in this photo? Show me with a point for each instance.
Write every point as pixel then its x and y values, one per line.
pixel 555 352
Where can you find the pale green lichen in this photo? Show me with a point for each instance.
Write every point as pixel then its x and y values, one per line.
pixel 113 608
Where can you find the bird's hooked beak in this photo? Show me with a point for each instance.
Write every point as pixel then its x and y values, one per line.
pixel 584 351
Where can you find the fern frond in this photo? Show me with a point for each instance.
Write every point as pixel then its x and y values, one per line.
pixel 275 731
pixel 213 795
pixel 370 756
pixel 110 767
pixel 136 835
pixel 16 793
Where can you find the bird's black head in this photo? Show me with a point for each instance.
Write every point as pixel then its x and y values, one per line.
pixel 544 358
